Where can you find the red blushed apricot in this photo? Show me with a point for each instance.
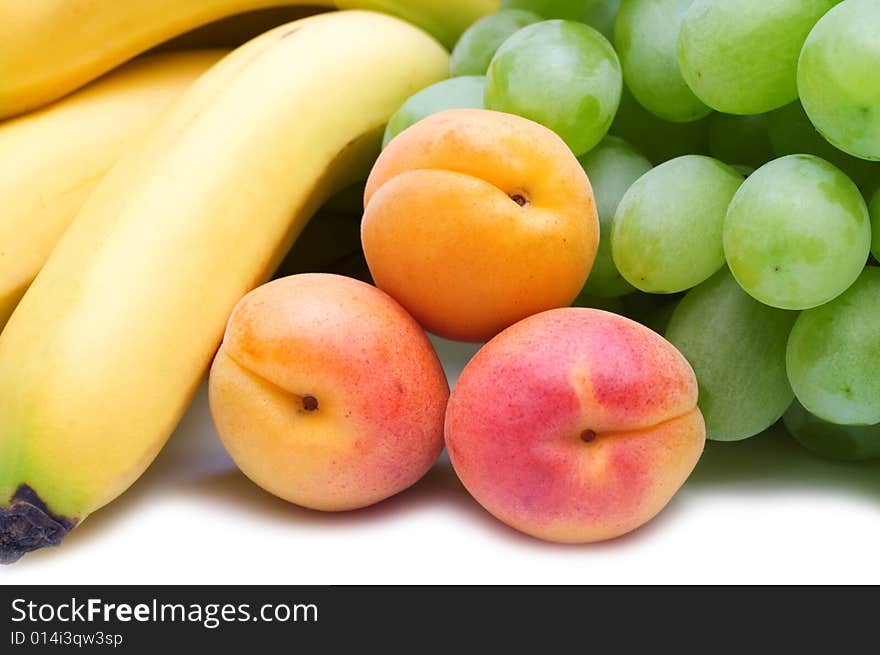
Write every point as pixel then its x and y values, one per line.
pixel 327 393
pixel 575 425
pixel 475 219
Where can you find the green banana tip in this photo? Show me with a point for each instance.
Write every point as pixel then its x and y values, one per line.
pixel 26 524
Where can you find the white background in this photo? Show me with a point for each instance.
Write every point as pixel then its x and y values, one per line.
pixel 760 511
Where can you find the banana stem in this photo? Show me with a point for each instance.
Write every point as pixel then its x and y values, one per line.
pixel 27 524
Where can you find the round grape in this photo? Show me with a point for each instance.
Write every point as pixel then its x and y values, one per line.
pixel 839 77
pixel 741 56
pixel 797 233
pixel 736 347
pixel 666 234
pixel 833 354
pixel 562 74
pixel 646 38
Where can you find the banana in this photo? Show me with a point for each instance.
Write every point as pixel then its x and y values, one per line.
pixel 51 160
pixel 51 47
pixel 105 351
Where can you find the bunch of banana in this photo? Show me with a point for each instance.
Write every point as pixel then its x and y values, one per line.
pixel 103 354
pixel 51 47
pixel 52 159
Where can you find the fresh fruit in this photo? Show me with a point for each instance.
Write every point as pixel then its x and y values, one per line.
pixel 612 167
pixel 575 425
pixel 327 393
pixel 456 93
pixel 480 41
pixel 741 140
pixel 792 133
pixel 737 348
pixel 741 56
pixel 476 219
pixel 100 359
pixel 562 74
pixel 839 77
pixel 666 234
pixel 797 233
pixel 43 57
pixel 52 159
pixel 646 39
pixel 657 139
pixel 833 352
pixel 846 442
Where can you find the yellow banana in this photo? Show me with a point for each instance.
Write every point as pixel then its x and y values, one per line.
pixel 51 160
pixel 106 349
pixel 51 47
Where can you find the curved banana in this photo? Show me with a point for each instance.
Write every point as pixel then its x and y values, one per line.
pixel 105 351
pixel 51 160
pixel 51 47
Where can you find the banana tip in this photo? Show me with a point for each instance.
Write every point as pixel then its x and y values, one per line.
pixel 26 524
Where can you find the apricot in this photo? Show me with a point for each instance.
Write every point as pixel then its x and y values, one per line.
pixel 475 219
pixel 326 393
pixel 575 425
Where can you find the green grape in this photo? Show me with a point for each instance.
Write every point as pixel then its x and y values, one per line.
pixel 742 140
pixel 646 38
pixel 736 347
pixel 797 233
pixel 833 354
pixel 612 167
pixel 846 442
pixel 792 133
pixel 874 211
pixel 477 46
pixel 666 234
pixel 839 77
pixel 456 93
pixel 741 56
pixel 658 139
pixel 562 74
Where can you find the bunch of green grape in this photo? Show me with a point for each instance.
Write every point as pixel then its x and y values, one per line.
pixel 733 147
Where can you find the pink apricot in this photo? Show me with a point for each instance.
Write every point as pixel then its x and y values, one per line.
pixel 575 425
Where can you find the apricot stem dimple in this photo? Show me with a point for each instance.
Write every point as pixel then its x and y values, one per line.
pixel 310 403
pixel 588 435
pixel 519 199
